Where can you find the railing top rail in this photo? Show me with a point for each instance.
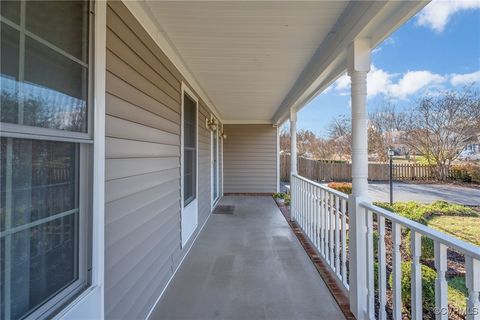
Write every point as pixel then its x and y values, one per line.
pixel 335 192
pixel 452 242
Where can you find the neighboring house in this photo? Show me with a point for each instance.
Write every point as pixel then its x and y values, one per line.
pixel 472 149
pixel 124 122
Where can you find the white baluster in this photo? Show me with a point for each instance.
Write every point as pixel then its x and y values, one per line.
pixel 324 230
pixel 370 263
pixel 305 201
pixel 441 286
pixel 309 211
pixel 397 271
pixel 325 235
pixel 331 216
pixel 302 209
pixel 382 272
pixel 322 225
pixel 344 243
pixel 311 204
pixel 416 275
pixel 472 280
pixel 337 235
pixel 317 218
pixel 292 198
pixel 297 198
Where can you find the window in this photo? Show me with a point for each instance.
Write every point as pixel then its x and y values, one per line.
pixel 189 150
pixel 44 157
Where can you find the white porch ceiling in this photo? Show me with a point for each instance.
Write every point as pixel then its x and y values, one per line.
pixel 254 60
pixel 246 55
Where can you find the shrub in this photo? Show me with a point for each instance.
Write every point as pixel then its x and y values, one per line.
pixel 457 292
pixel 411 210
pixel 469 172
pixel 284 196
pixel 422 212
pixel 279 195
pixel 428 285
pixel 444 208
pixel 427 247
pixel 345 187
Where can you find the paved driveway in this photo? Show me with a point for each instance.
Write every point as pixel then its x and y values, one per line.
pixel 425 193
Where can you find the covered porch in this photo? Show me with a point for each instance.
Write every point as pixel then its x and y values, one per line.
pixel 184 101
pixel 247 265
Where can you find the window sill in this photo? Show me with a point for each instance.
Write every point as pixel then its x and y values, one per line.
pixel 88 305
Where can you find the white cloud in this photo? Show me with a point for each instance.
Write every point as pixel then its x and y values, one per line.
pixel 465 79
pixel 342 83
pixel 414 81
pixel 438 12
pixel 393 85
pixel 378 81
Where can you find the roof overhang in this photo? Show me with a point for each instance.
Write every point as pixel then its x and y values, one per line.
pixel 252 62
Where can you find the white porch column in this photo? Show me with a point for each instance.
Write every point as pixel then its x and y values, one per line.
pixel 358 64
pixel 293 158
pixel 293 142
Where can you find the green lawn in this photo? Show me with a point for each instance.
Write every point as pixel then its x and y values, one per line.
pixel 465 228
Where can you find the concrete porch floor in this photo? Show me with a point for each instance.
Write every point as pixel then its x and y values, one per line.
pixel 248 265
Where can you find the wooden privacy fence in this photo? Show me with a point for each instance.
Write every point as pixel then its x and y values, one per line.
pixel 331 171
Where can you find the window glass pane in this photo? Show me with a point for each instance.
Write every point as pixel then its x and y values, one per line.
pixel 10 9
pixel 39 222
pixel 190 111
pixel 9 74
pixel 53 94
pixel 189 149
pixel 45 81
pixel 61 23
pixel 189 182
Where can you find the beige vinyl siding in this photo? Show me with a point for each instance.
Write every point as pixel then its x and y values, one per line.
pixel 142 168
pixel 250 158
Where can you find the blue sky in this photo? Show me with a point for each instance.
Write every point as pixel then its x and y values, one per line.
pixel 438 49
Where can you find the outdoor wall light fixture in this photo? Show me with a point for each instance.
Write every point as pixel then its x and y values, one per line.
pixel 211 123
pixel 222 135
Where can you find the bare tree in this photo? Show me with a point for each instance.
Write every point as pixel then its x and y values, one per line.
pixel 386 129
pixel 308 143
pixel 285 140
pixel 340 133
pixel 439 127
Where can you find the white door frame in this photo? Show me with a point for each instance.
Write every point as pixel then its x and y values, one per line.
pixel 213 200
pixel 189 214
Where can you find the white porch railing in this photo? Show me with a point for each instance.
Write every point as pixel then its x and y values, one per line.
pixel 377 217
pixel 323 214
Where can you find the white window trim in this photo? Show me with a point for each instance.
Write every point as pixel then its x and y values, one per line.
pixel 214 201
pixel 90 303
pixel 186 90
